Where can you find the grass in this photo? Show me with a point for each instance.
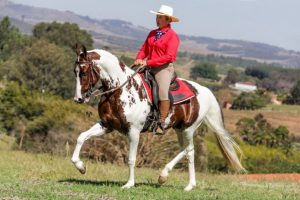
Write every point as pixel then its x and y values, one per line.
pixel 41 176
pixel 282 108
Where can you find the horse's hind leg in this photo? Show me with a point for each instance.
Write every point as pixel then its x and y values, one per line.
pixel 165 172
pixel 95 130
pixel 187 145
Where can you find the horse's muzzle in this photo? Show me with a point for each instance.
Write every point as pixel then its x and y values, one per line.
pixel 79 100
pixel 82 100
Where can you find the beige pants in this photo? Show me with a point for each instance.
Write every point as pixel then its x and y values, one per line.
pixel 163 76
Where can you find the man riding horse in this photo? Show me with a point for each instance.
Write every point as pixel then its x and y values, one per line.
pixel 158 53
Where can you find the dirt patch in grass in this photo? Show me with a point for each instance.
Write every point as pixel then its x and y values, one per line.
pixel 272 177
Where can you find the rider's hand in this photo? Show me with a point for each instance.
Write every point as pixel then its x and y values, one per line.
pixel 143 63
pixel 137 62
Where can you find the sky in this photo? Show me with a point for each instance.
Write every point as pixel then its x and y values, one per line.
pixel 274 22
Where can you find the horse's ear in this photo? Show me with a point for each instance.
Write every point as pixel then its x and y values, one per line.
pixel 79 49
pixel 76 48
pixel 84 51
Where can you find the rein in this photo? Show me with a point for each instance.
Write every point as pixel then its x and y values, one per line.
pixel 91 92
pixel 120 86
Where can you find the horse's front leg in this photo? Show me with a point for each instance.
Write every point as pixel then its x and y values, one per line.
pixel 134 136
pixel 95 130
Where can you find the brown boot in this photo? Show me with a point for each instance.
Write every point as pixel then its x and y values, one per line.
pixel 164 107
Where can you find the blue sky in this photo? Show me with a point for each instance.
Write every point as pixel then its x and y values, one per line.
pixel 274 22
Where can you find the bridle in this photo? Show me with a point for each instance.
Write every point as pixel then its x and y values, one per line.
pixel 91 91
pixel 92 69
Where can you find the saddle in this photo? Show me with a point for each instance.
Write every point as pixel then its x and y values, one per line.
pixel 179 92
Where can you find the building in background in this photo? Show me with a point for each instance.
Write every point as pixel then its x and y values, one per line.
pixel 245 86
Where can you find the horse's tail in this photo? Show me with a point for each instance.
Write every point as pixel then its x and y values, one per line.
pixel 227 145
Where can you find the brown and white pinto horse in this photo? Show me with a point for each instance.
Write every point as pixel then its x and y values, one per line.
pixel 126 110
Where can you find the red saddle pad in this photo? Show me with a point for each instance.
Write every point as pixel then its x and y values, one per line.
pixel 183 93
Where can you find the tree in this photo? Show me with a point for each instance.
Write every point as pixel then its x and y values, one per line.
pixel 11 40
pixel 294 97
pixel 40 122
pixel 45 67
pixel 65 34
pixel 258 131
pixel 17 103
pixel 249 101
pixel 205 70
pixel 234 76
pixel 256 72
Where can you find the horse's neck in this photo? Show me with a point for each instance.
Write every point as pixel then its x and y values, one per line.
pixel 115 78
pixel 112 74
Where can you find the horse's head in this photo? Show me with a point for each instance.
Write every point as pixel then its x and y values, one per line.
pixel 86 72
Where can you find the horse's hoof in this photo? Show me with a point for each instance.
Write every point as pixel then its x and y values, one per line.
pixel 162 179
pixel 81 167
pixel 83 170
pixel 189 187
pixel 128 185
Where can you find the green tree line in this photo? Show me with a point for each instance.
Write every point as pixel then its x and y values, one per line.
pixel 43 61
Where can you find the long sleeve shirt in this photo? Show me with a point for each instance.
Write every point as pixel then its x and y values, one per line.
pixel 163 50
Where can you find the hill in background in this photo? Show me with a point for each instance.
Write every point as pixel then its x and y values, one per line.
pixel 125 36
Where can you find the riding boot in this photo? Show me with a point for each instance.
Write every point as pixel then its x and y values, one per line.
pixel 164 107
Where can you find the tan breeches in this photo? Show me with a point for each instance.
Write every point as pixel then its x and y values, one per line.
pixel 163 76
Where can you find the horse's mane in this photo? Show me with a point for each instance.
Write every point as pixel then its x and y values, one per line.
pixel 108 56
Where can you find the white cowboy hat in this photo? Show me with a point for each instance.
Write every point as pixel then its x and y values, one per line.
pixel 167 11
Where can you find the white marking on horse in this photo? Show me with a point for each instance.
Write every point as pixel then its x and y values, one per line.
pixel 78 94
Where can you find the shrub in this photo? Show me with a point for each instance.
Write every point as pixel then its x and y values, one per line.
pixel 49 121
pixel 234 75
pixel 294 97
pixel 256 72
pixel 249 101
pixel 17 102
pixel 256 159
pixel 205 70
pixel 258 131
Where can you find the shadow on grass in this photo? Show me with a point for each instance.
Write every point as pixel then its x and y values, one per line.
pixel 110 183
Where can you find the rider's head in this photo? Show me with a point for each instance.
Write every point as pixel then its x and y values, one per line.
pixel 164 16
pixel 163 21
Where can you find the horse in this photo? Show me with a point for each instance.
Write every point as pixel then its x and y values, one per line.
pixel 124 107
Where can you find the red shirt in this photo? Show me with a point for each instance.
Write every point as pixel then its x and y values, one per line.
pixel 162 51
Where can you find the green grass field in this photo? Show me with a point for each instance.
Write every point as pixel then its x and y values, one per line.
pixel 41 176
